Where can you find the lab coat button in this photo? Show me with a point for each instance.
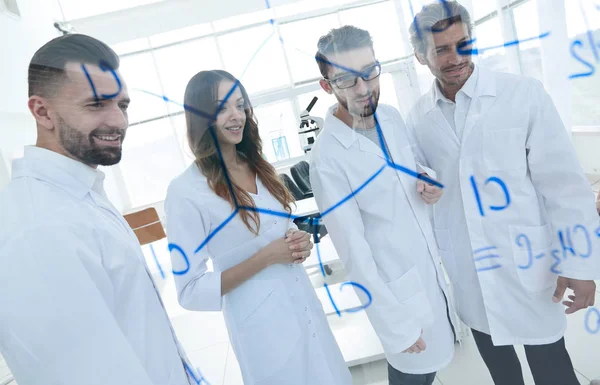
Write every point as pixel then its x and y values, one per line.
pixel 305 308
pixel 314 335
pixel 309 321
pixel 296 279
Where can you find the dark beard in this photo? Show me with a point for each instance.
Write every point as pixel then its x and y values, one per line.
pixel 367 111
pixel 84 149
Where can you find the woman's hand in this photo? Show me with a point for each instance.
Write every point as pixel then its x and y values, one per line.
pixel 294 248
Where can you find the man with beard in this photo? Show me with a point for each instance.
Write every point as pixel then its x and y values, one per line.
pixel 517 210
pixel 78 305
pixel 383 232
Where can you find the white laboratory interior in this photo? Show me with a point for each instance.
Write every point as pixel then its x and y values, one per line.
pixel 270 47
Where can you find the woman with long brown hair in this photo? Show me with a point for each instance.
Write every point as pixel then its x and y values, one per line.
pixel 275 321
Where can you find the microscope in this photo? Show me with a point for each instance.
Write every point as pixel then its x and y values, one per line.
pixel 310 127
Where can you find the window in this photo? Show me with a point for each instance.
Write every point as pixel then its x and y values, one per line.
pixel 178 122
pixel 244 19
pixel 321 106
pixel 411 8
pixel 300 42
pixel 74 9
pixel 181 34
pixel 381 21
pixel 151 159
pixel 388 91
pixel 258 49
pixel 298 7
pixel 139 73
pixel 488 35
pixel 276 120
pixel 131 46
pixel 482 8
pixel 527 25
pixel 177 64
pixel 581 17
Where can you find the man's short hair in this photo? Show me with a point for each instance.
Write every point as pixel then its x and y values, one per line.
pixel 437 17
pixel 341 39
pixel 47 67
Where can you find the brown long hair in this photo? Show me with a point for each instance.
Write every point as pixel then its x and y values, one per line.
pixel 201 106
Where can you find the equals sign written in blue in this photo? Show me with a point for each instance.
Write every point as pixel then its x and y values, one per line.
pixel 488 255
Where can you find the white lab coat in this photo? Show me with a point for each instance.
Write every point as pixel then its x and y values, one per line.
pixel 384 237
pixel 512 132
pixel 275 320
pixel 77 304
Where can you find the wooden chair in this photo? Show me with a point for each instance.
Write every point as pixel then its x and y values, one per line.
pixel 146 225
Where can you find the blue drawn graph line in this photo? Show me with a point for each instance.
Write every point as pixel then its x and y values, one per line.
pixel 162 273
pixel 348 283
pixel 475 51
pixel 198 381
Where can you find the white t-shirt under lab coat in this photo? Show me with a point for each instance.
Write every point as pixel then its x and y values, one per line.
pixel 77 304
pixel 275 321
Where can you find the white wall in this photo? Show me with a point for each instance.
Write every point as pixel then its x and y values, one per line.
pixel 17 129
pixel 21 37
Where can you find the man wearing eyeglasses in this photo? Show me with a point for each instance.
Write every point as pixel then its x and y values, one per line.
pixel 382 233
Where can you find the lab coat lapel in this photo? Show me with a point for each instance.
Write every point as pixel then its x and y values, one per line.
pixel 366 145
pixel 439 120
pixel 484 98
pixel 347 136
pixel 402 155
pixel 434 115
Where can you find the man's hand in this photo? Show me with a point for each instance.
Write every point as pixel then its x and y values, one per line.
pixel 429 193
pixel 584 293
pixel 417 347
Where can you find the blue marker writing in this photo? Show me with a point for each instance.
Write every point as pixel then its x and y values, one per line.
pixel 487 255
pixel 523 240
pixel 172 247
pixel 557 261
pixel 162 273
pixel 497 181
pixel 198 381
pixel 104 67
pixel 586 234
pixel 590 66
pixel 592 320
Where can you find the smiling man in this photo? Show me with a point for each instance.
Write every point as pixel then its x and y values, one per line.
pixel 78 305
pixel 383 234
pixel 513 183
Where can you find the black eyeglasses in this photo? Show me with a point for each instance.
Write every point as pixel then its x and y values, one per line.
pixel 349 80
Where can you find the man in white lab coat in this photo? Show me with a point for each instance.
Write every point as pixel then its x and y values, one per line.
pixel 516 226
pixel 78 305
pixel 382 233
